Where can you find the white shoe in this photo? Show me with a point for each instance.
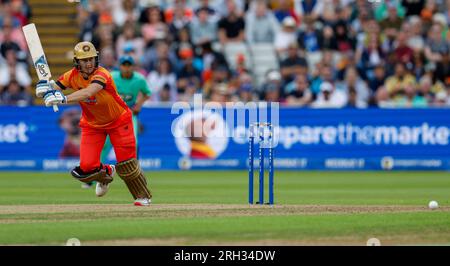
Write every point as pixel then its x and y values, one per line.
pixel 142 202
pixel 102 189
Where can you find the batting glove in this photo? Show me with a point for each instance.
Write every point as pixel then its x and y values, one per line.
pixel 44 86
pixel 54 97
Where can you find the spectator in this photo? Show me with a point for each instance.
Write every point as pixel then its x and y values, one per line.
pixel 383 99
pixel 402 52
pixel 408 98
pixel 309 39
pixel 129 41
pixel 12 36
pixel 369 56
pixel 245 89
pixel 153 27
pixel 443 69
pixel 18 8
pixel 161 50
pixel 182 41
pixel 213 14
pixel 209 60
pixel 413 7
pixel 103 36
pixel 418 64
pixel 283 9
pixel 354 101
pixel 261 24
pixel 178 18
pixel 344 41
pixel 378 79
pixel 401 79
pixel 425 89
pixel 329 97
pixel 427 12
pixel 328 39
pixel 179 14
pixel 436 46
pixel 14 94
pixel 392 23
pixel 160 77
pixel 188 74
pixel 382 10
pixel 334 36
pixel 415 40
pixel 232 27
pixel 310 9
pixel 352 81
pixel 124 11
pixel 222 7
pixel 202 29
pixel 441 100
pixel 220 94
pixel 287 35
pixel 108 59
pixel 220 74
pixel 298 91
pixel 12 70
pixel 293 64
pixel 325 75
pixel 272 94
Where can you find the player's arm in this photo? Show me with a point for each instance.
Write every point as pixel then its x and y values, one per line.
pixel 57 97
pixel 139 102
pixel 144 95
pixel 83 94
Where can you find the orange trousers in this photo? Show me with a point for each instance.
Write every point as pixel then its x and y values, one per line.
pixel 92 141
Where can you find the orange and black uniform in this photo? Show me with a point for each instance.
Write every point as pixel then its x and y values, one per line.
pixel 103 114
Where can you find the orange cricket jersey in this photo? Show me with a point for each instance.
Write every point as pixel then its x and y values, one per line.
pixel 104 108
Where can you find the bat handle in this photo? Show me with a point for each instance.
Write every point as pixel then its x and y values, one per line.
pixel 55 108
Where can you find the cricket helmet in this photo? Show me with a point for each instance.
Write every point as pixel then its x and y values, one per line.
pixel 84 50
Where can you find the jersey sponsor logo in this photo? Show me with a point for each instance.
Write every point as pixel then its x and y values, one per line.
pixel 126 97
pixel 91 100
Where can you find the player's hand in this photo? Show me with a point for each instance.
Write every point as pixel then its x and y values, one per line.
pixel 54 97
pixel 136 110
pixel 44 86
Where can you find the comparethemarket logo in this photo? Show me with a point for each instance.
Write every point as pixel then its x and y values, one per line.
pixel 13 133
pixel 349 134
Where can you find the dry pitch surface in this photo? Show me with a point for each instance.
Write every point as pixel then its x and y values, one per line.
pixel 84 213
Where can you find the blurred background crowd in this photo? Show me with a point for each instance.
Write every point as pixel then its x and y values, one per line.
pixel 313 53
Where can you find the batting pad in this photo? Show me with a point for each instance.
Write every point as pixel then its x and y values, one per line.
pixel 134 178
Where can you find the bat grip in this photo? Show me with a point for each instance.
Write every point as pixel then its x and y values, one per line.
pixel 55 108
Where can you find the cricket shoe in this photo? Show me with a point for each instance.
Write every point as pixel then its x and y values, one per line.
pixel 87 185
pixel 142 202
pixel 101 189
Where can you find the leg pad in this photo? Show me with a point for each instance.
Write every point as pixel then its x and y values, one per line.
pixel 134 178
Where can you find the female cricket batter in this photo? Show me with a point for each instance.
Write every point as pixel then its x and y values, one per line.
pixel 104 113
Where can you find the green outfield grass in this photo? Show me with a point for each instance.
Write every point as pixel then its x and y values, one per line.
pixel 199 218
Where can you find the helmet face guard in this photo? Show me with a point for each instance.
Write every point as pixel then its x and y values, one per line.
pixel 84 50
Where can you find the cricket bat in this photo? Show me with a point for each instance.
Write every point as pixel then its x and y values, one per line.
pixel 37 54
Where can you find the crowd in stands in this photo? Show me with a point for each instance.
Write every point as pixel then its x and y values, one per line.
pixel 15 78
pixel 330 53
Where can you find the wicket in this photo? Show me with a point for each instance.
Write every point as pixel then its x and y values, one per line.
pixel 264 133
